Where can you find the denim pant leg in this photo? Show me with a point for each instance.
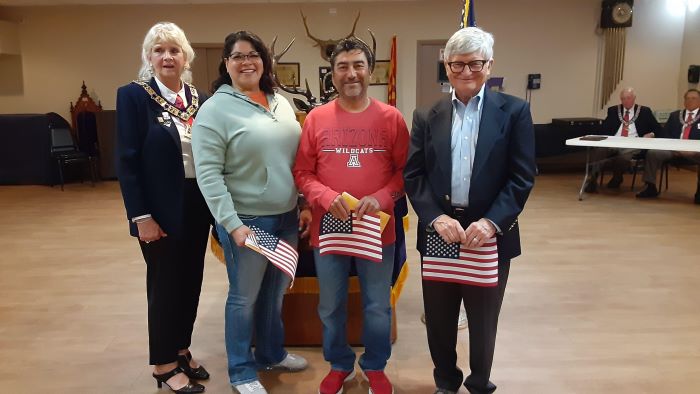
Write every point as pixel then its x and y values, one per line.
pixel 269 328
pixel 375 286
pixel 332 271
pixel 246 270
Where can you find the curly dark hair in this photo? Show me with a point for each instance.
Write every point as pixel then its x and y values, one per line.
pixel 350 44
pixel 267 81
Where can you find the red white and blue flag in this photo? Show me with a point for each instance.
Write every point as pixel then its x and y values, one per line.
pixel 443 262
pixel 351 237
pixel 281 254
pixel 468 18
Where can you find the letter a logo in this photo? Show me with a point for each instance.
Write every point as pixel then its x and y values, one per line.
pixel 354 161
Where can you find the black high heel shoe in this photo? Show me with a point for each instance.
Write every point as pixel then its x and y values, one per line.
pixel 189 388
pixel 199 373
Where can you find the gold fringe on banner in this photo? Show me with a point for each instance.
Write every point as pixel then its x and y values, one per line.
pixel 614 63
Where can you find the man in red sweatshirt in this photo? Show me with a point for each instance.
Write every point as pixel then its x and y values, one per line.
pixel 358 145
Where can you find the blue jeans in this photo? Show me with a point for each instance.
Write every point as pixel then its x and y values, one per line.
pixel 254 303
pixel 375 286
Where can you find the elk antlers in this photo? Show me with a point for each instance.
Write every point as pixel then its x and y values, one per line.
pixel 293 90
pixel 327 46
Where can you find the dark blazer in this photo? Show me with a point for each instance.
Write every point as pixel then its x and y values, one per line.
pixel 502 175
pixel 645 123
pixel 674 127
pixel 149 159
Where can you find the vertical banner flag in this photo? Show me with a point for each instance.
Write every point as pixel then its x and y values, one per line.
pixel 281 254
pixel 468 15
pixel 443 262
pixel 391 88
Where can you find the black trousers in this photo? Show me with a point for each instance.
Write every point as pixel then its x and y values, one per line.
pixel 175 267
pixel 441 301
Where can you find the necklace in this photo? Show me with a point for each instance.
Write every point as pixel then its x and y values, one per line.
pixel 187 116
pixel 630 121
pixel 692 120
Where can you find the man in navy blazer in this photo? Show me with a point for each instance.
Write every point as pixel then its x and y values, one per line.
pixel 626 119
pixel 470 170
pixel 681 124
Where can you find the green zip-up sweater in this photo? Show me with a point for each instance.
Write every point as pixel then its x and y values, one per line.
pixel 243 155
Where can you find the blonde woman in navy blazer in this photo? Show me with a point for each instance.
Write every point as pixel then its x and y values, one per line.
pixel 165 209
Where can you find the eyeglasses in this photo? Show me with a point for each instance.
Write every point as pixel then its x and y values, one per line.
pixel 474 66
pixel 240 58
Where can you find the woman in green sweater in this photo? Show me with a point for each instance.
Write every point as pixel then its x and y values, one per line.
pixel 244 143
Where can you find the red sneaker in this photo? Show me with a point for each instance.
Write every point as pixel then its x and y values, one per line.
pixel 378 382
pixel 333 382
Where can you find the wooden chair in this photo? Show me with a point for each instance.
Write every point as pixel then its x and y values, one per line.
pixel 84 125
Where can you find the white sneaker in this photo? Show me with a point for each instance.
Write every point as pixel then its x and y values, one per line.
pixel 291 363
pixel 462 322
pixel 253 387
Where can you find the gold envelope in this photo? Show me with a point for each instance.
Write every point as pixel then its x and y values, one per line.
pixel 352 202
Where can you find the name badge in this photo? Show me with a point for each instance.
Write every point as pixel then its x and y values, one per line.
pixel 166 115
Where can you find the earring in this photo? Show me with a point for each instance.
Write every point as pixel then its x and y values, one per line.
pixel 151 69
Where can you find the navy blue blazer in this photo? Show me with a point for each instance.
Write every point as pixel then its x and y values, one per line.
pixel 645 123
pixel 149 159
pixel 674 127
pixel 502 175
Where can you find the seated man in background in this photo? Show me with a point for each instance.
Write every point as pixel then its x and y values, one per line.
pixel 624 120
pixel 682 124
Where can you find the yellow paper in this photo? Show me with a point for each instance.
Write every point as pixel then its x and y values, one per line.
pixel 352 202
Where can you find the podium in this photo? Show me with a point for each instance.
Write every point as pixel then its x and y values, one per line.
pixel 302 325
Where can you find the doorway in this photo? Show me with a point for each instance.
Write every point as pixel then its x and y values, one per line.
pixel 429 88
pixel 205 67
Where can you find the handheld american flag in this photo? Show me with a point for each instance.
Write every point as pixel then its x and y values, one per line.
pixel 281 254
pixel 351 237
pixel 443 262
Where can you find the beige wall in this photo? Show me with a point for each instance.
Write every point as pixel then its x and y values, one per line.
pixel 690 54
pixel 62 46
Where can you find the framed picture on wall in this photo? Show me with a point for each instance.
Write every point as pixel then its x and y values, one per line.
pixel 288 74
pixel 380 76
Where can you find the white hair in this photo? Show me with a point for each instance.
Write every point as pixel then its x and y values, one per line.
pixel 470 40
pixel 628 90
pixel 165 32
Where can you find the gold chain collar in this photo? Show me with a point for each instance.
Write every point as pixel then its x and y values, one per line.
pixel 184 115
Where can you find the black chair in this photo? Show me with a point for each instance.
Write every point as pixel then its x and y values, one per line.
pixel 678 162
pixel 637 166
pixel 65 151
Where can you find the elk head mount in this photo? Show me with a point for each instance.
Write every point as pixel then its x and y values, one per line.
pixel 327 90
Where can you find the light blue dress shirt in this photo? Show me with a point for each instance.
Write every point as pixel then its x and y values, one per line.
pixel 465 132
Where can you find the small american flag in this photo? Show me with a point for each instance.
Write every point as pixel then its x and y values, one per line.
pixel 281 254
pixel 351 237
pixel 443 262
